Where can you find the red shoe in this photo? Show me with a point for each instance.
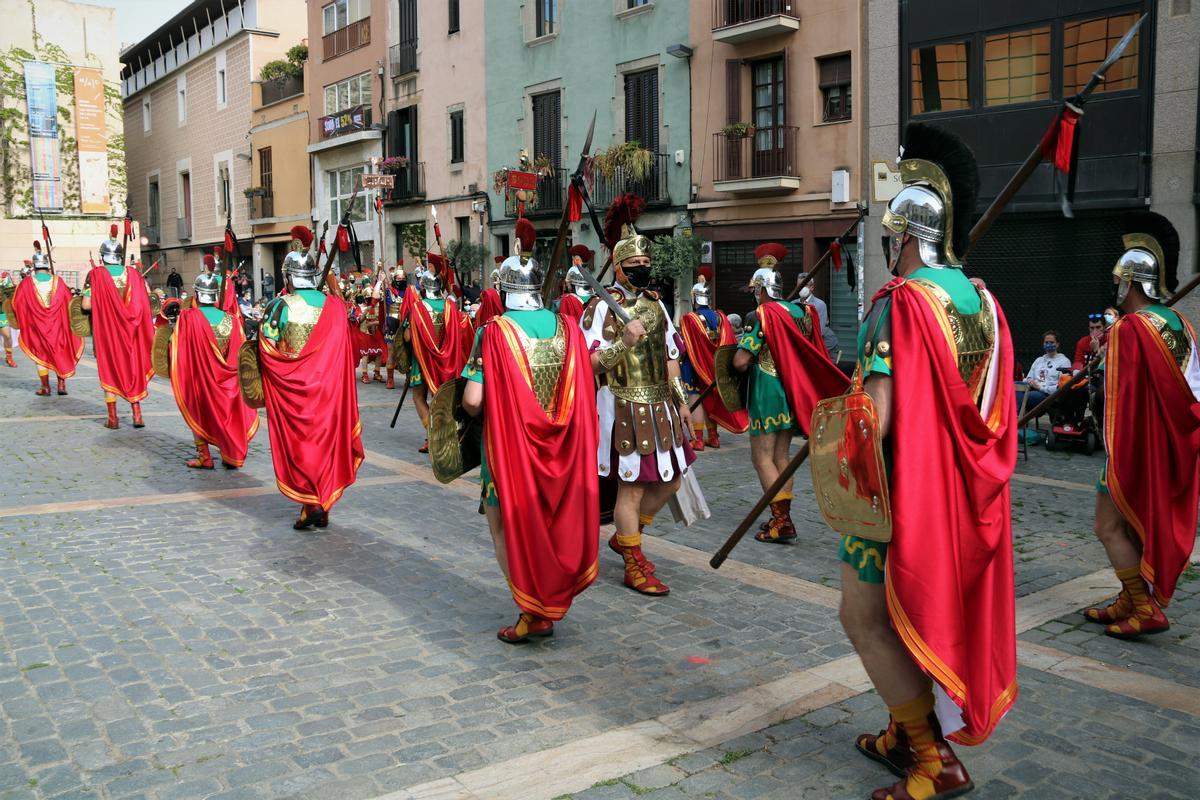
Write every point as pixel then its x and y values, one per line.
pixel 138 422
pixel 712 440
pixel 424 448
pixel 1145 620
pixel 697 445
pixel 365 379
pixel 44 390
pixel 391 382
pixel 527 627
pixel 898 759
pixel 200 463
pixel 780 528
pixel 1117 610
pixel 639 570
pixel 62 386
pixel 112 422
pixel 953 781
pixel 8 359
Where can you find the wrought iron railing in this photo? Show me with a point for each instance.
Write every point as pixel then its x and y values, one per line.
pixel 409 186
pixel 262 206
pixel 765 153
pixel 343 40
pixel 737 12
pixel 403 57
pixel 652 186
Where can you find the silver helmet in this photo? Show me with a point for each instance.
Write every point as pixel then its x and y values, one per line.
pixel 768 280
pixel 521 282
pixel 1150 260
pixel 301 269
pixel 431 284
pixel 922 213
pixel 700 293
pixel 207 288
pixel 112 252
pixel 579 284
pixel 40 262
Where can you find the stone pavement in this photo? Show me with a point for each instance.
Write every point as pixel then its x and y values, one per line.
pixel 165 634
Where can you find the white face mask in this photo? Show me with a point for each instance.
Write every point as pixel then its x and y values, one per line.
pixel 805 294
pixel 1109 319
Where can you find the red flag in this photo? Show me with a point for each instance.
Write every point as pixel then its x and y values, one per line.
pixel 1058 143
pixel 46 236
pixel 835 251
pixel 574 203
pixel 229 242
pixel 379 203
pixel 128 225
pixel 343 239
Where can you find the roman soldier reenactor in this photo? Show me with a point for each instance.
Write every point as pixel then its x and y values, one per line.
pixel 122 330
pixel 641 402
pixel 490 304
pixel 393 302
pixel 539 431
pixel 572 304
pixel 201 354
pixel 7 288
pixel 790 372
pixel 308 388
pixel 1146 498
pixel 920 453
pixel 41 310
pixel 704 330
pixel 368 333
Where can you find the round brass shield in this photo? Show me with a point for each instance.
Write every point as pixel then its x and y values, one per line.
pixel 249 375
pixel 160 354
pixel 731 384
pixel 454 435
pixel 81 321
pixel 156 304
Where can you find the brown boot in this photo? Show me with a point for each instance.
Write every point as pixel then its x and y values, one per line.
pixel 936 773
pixel 138 422
pixel 44 390
pixel 1147 616
pixel 780 528
pixel 62 386
pixel 204 459
pixel 112 421
pixel 391 379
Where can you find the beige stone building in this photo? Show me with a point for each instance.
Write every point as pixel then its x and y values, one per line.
pixel 189 109
pixel 88 36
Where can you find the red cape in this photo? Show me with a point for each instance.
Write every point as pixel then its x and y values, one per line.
pixel 570 307
pixel 807 374
pixel 206 386
pixel 489 306
pixel 46 330
pixel 312 412
pixel 440 361
pixel 702 353
pixel 123 333
pixel 949 572
pixel 544 469
pixel 1151 430
pixel 365 343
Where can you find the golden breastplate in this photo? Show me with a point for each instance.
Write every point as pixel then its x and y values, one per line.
pixel 972 337
pixel 1177 342
pixel 223 330
pixel 766 361
pixel 546 358
pixel 642 376
pixel 301 320
pixel 438 318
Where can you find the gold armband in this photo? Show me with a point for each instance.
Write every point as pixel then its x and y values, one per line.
pixel 611 356
pixel 678 391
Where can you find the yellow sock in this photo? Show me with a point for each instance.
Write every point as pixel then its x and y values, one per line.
pixel 913 716
pixel 786 494
pixel 43 372
pixel 109 397
pixel 629 539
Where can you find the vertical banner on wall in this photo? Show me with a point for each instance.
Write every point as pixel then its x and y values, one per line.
pixel 41 98
pixel 92 138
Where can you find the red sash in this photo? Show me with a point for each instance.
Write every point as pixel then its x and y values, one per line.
pixel 701 352
pixel 46 330
pixel 123 333
pixel 489 306
pixel 571 307
pixel 206 386
pixel 544 469
pixel 807 374
pixel 949 573
pixel 1152 432
pixel 312 412
pixel 440 361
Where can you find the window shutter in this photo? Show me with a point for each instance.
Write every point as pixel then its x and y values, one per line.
pixel 835 71
pixel 785 65
pixel 733 90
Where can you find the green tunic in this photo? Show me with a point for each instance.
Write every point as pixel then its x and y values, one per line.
pixel 864 555
pixel 274 332
pixel 540 324
pixel 6 284
pixel 768 406
pixel 414 372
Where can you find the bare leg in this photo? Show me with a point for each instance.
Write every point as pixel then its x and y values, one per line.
pixel 629 504
pixel 496 526
pixel 421 401
pixel 656 496
pixel 864 617
pixel 762 455
pixel 1114 533
pixel 636 505
pixel 780 457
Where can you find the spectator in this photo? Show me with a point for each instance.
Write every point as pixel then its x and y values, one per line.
pixel 1044 374
pixel 735 322
pixel 1090 343
pixel 174 283
pixel 831 339
pixel 268 285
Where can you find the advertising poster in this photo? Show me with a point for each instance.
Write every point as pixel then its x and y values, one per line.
pixel 41 99
pixel 91 133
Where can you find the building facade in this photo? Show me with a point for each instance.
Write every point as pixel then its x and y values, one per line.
pixel 776 140
pixel 550 65
pixel 188 110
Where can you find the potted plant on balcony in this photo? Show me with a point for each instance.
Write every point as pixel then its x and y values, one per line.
pixel 738 130
pixel 634 161
pixel 393 165
pixel 255 191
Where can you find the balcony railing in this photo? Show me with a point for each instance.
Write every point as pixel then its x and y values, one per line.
pixel 185 228
pixel 652 186
pixel 346 121
pixel 743 20
pixel 757 158
pixel 403 57
pixel 549 201
pixel 281 88
pixel 409 186
pixel 343 40
pixel 262 206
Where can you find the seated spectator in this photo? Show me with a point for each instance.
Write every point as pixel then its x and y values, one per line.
pixel 1044 374
pixel 1089 344
pixel 735 322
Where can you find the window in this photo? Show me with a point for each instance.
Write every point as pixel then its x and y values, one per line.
pixel 185 208
pixel 223 189
pixel 454 17
pixel 181 98
pixel 637 3
pixel 1016 67
pixel 641 108
pixel 347 94
pixel 939 78
pixel 1085 45
pixel 834 76
pixel 769 102
pixel 547 126
pixel 153 201
pixel 341 188
pixel 222 95
pixel 146 115
pixel 464 228
pixel 265 168
pixel 546 21
pixel 341 13
pixel 457 138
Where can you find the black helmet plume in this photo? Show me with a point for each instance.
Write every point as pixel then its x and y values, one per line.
pixel 931 143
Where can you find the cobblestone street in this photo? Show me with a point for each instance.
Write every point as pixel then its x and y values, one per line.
pixel 164 633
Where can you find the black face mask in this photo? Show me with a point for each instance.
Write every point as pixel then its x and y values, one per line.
pixel 638 277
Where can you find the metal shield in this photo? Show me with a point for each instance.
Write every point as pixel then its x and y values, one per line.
pixel 81 321
pixel 731 385
pixel 249 375
pixel 849 474
pixel 160 354
pixel 455 437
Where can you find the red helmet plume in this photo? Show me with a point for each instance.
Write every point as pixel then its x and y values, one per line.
pixel 526 235
pixel 303 234
pixel 112 231
pixel 625 210
pixel 583 251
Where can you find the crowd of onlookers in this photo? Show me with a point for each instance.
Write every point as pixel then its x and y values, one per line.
pixel 1053 369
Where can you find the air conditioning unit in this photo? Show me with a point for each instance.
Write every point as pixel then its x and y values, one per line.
pixel 841 186
pixel 706 253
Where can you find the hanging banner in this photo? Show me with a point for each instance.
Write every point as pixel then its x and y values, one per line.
pixel 41 100
pixel 92 137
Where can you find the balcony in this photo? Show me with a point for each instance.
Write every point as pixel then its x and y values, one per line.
pixel 281 89
pixel 349 120
pixel 653 186
pixel 151 232
pixel 403 58
pixel 184 229
pixel 761 163
pixel 409 186
pixel 343 40
pixel 262 206
pixel 736 21
pixel 550 194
